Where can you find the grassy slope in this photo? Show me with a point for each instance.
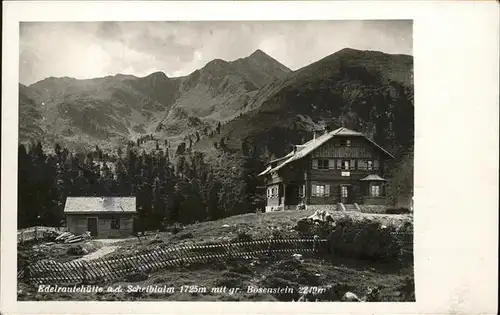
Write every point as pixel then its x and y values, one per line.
pixel 258 226
pixel 354 275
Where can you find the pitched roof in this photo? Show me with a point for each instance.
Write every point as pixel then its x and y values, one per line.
pixel 311 145
pixel 373 177
pixel 100 205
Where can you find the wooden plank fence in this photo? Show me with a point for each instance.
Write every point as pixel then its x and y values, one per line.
pixel 108 269
pixel 36 233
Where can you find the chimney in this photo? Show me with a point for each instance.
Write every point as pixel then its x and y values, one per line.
pixel 314 134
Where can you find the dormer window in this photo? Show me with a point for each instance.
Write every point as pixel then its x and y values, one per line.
pixel 345 142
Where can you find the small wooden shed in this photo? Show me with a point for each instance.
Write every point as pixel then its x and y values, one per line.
pixel 103 217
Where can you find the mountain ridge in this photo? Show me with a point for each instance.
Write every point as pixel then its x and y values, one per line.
pixel 243 91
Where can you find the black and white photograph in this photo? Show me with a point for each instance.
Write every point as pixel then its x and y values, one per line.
pixel 216 161
pixel 293 157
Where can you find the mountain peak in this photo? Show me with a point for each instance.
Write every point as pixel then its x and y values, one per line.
pixel 259 53
pixel 259 57
pixel 157 74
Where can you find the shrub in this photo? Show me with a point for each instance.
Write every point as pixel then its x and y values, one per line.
pixel 243 237
pixel 397 211
pixel 77 250
pixel 184 236
pixel 230 280
pixel 372 237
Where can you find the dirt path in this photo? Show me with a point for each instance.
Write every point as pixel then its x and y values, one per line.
pixel 98 253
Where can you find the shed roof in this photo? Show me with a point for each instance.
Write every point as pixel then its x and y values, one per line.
pixel 311 145
pixel 373 177
pixel 100 205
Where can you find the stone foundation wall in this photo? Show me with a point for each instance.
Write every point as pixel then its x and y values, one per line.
pixel 323 207
pixel 373 208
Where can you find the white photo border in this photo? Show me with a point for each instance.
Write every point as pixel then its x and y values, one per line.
pixel 456 64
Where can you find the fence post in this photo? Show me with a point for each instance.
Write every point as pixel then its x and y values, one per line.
pixel 84 272
pixel 36 233
pixel 26 271
pixel 22 236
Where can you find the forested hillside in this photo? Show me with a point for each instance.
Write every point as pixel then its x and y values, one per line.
pixel 184 191
pixel 190 148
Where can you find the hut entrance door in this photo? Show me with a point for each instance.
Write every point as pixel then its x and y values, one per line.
pixel 92 226
pixel 346 194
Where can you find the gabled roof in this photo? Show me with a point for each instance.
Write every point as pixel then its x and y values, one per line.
pixel 373 177
pixel 281 158
pixel 265 171
pixel 306 148
pixel 100 205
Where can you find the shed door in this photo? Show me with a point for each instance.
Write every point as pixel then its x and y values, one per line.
pixel 92 226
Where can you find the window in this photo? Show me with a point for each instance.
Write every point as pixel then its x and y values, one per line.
pixel 302 191
pixel 348 143
pixel 331 164
pixel 375 191
pixel 346 164
pixel 343 190
pixel 321 190
pixel 323 164
pixel 314 164
pixel 369 165
pixel 115 223
pixel 362 164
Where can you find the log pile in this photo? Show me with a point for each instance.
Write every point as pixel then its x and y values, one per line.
pixel 69 238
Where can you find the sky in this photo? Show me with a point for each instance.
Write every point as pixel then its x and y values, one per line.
pixel 96 49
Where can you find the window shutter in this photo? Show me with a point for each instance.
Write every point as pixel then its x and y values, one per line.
pixel 331 164
pixel 327 190
pixel 362 164
pixel 315 164
pixel 339 164
pixel 353 165
pixel 375 164
pixel 313 190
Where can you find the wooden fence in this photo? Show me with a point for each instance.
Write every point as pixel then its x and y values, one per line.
pixel 36 233
pixel 118 267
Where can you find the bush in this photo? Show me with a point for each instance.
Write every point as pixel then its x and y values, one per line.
pixel 241 268
pixel 184 236
pixel 243 237
pixel 230 280
pixel 370 237
pixel 174 228
pixel 77 250
pixel 397 211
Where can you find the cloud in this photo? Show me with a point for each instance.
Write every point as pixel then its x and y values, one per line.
pixel 96 49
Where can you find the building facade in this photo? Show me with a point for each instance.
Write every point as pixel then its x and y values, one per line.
pixel 337 167
pixel 103 217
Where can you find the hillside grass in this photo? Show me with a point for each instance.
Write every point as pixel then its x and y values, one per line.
pixel 255 226
pixel 344 273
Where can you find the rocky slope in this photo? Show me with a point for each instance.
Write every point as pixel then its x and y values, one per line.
pixel 122 107
pixel 366 91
